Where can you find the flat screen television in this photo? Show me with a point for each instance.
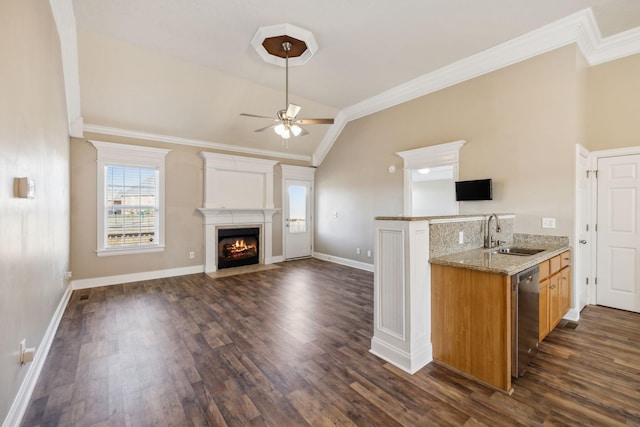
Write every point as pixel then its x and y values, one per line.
pixel 478 189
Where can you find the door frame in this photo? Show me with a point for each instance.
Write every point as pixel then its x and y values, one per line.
pixel 594 157
pixel 447 154
pixel 300 173
pixel 580 261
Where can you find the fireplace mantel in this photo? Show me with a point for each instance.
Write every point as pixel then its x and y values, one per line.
pixel 223 217
pixel 232 216
pixel 237 191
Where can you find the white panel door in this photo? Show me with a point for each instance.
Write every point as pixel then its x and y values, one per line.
pixel 618 235
pixel 297 218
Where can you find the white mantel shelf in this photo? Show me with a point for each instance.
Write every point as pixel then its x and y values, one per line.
pixel 232 215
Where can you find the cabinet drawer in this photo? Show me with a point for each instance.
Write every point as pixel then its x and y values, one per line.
pixel 554 264
pixel 565 259
pixel 544 270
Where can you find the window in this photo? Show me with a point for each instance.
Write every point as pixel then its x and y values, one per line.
pixel 130 198
pixel 297 208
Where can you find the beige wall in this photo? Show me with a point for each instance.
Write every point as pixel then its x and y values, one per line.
pixel 128 87
pixel 183 225
pixel 34 142
pixel 183 193
pixel 521 126
pixel 613 106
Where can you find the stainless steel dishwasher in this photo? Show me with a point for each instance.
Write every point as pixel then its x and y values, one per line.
pixel 525 302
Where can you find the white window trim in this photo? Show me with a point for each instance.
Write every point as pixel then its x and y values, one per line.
pixel 111 154
pixel 428 157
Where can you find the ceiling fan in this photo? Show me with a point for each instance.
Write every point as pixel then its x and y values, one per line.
pixel 286 123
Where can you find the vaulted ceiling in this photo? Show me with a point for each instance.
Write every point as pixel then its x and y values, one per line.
pixel 371 55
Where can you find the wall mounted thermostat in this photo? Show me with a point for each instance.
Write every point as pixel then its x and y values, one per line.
pixel 25 188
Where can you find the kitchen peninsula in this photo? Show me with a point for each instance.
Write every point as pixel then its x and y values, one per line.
pixel 438 295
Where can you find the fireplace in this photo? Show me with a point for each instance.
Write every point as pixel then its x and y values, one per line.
pixel 238 193
pixel 238 246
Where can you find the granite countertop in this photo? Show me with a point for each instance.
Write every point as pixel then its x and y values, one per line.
pixel 431 218
pixel 482 259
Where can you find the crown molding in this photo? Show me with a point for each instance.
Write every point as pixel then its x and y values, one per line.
pixel 65 20
pixel 105 130
pixel 334 131
pixel 580 28
pixel 615 47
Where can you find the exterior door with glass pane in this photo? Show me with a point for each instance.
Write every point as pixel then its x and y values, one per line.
pixel 297 218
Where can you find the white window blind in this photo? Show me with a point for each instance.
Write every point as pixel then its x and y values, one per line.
pixel 130 198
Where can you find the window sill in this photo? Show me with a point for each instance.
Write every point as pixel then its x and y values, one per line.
pixel 130 250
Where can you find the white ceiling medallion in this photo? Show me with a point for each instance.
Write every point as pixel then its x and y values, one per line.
pixel 263 34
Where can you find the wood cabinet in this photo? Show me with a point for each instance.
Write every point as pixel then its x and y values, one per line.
pixel 471 318
pixel 554 301
pixel 565 290
pixel 544 307
pixel 555 291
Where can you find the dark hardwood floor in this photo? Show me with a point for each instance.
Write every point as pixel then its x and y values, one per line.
pixel 289 347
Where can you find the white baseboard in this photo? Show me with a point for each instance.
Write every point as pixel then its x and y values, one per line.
pixel 20 403
pixel 135 277
pixel 275 259
pixel 344 261
pixel 573 315
pixel 410 363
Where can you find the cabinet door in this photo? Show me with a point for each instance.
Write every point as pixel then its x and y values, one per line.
pixel 554 301
pixel 565 290
pixel 544 309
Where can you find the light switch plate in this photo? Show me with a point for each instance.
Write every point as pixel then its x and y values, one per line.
pixel 548 223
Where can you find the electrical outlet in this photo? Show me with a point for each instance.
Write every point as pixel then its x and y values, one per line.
pixel 548 223
pixel 461 237
pixel 369 253
pixel 357 251
pixel 192 255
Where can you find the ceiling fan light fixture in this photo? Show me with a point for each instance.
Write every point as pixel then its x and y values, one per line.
pixel 295 129
pixel 285 47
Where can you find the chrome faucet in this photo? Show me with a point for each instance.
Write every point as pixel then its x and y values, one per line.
pixel 488 239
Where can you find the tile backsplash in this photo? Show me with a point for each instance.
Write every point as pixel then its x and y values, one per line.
pixel 444 236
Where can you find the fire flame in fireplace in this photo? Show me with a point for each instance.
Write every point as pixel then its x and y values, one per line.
pixel 238 249
pixel 240 245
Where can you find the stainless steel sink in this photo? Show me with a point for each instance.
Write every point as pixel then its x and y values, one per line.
pixel 517 251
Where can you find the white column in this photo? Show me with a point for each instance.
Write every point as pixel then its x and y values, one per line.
pixel 402 294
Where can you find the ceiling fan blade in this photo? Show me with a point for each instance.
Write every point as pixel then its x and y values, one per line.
pixel 315 121
pixel 293 110
pixel 258 117
pixel 303 132
pixel 265 128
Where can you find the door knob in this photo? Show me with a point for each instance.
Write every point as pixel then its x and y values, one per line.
pixel 583 242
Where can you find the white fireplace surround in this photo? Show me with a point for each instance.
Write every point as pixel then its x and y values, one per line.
pixel 238 192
